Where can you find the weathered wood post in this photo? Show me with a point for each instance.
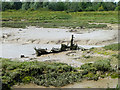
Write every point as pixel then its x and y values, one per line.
pixel 72 42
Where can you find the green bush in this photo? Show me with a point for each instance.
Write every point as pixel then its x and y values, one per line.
pixel 27 79
pixel 114 47
pixel 86 66
pixel 40 73
pixel 114 75
pixel 91 76
pixel 99 65
pixel 102 65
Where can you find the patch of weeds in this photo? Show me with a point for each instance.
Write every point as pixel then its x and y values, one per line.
pixel 97 69
pixel 114 47
pixel 115 75
pixel 84 56
pixel 117 56
pixel 14 25
pixel 103 52
pixel 102 65
pixel 96 26
pixel 91 76
pixel 27 79
pixel 86 66
pixel 102 76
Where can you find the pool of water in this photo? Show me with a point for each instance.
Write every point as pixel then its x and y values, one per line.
pixel 15 50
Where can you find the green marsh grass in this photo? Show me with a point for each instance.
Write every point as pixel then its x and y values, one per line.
pixel 113 47
pixel 53 19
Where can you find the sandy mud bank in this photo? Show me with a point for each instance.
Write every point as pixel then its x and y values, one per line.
pixel 57 36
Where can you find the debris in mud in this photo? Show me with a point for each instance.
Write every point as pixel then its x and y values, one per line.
pixel 5 35
pixel 22 56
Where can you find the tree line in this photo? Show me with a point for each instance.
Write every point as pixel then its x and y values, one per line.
pixel 62 6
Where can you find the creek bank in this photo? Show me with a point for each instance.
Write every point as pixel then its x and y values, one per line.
pixel 108 82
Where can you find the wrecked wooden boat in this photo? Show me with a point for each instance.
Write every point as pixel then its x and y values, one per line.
pixel 63 47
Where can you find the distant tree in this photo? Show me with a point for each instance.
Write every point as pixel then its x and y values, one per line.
pixel 36 5
pixel 80 7
pixel 16 5
pixel 73 6
pixel 45 4
pixel 60 6
pixel 108 6
pixel 31 5
pixel 52 6
pixel 96 5
pixel 119 3
pixel 5 6
pixel 101 8
pixel 25 5
pixel 117 8
pixel 84 5
pixel 90 9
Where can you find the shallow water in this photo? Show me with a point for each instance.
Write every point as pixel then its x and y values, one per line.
pixel 15 50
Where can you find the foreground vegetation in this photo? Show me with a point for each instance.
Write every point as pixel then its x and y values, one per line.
pixel 51 73
pixel 53 19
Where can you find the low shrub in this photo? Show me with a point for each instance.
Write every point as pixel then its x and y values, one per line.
pixel 114 47
pixel 40 73
pixel 115 75
pixel 99 65
pixel 27 79
pixel 86 66
pixel 102 65
pixel 91 76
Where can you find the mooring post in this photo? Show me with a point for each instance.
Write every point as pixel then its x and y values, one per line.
pixel 72 44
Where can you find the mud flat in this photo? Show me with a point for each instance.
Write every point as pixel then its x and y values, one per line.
pixel 57 36
pixel 102 83
pixel 111 83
